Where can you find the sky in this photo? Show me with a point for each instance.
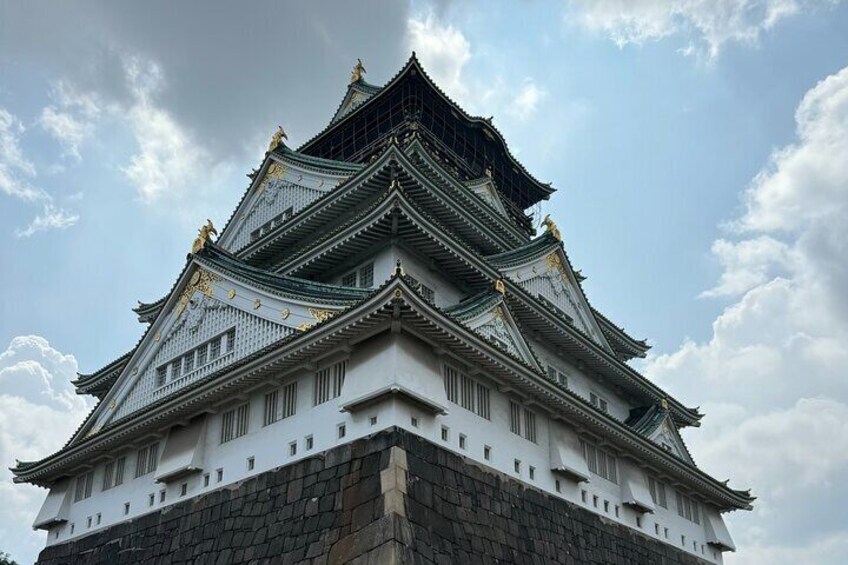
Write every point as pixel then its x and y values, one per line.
pixel 699 151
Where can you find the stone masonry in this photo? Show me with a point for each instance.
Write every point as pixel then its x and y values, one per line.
pixel 393 498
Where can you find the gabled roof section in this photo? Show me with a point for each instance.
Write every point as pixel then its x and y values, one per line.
pixel 655 423
pixel 625 346
pixel 357 92
pixel 396 304
pixel 412 96
pixel 488 315
pixel 543 267
pixel 282 169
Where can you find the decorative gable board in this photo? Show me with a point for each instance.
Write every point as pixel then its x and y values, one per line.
pixel 485 189
pixel 550 278
pixel 354 98
pixel 204 307
pixel 668 437
pixel 283 189
pixel 498 325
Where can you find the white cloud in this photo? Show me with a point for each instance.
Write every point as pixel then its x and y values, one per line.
pixel 72 119
pixel 444 52
pixel 38 411
pixel 169 163
pixel 50 219
pixel 712 24
pixel 16 175
pixel 779 349
pixel 527 100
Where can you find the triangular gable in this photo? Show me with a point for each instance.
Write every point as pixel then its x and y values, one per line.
pixel 655 423
pixel 357 93
pixel 495 322
pixel 549 276
pixel 285 184
pixel 668 437
pixel 485 189
pixel 208 305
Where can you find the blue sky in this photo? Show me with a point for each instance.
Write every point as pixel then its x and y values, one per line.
pixel 698 150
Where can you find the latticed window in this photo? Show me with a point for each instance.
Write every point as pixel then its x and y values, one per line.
pixel 600 462
pixel 657 489
pixel 557 376
pixel 235 422
pixel 146 459
pixel 349 279
pixel 188 363
pixel 598 402
pixel 366 276
pixel 231 339
pixel 466 393
pixel 161 375
pixel 530 425
pixel 329 382
pixel 83 486
pixel 214 349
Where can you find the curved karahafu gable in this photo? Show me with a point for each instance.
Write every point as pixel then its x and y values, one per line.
pixel 220 311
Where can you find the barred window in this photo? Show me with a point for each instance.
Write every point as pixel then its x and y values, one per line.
pixel 176 369
pixel 599 461
pixel 530 425
pixel 289 403
pixel 196 358
pixel 271 405
pixel 522 421
pixel 83 486
pixel 467 392
pixel 235 422
pixel 657 489
pixel 483 402
pixel 349 279
pixel 366 276
pixel 113 473
pixel 329 382
pixel 688 508
pixel 451 383
pixel 214 349
pixel 515 418
pixel 201 354
pixel 146 459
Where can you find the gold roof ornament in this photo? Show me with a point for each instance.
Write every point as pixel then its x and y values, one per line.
pixel 277 138
pixel 551 227
pixel 358 71
pixel 204 234
pixel 664 403
pixel 500 286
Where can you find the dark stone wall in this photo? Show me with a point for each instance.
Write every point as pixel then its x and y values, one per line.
pixel 332 509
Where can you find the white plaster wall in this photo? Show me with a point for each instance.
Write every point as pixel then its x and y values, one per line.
pixel 581 383
pixel 270 447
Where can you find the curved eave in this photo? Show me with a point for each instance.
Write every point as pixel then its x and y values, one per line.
pixel 92 383
pixel 482 124
pixel 395 300
pixel 621 339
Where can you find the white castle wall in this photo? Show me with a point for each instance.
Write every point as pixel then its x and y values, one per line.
pixel 269 446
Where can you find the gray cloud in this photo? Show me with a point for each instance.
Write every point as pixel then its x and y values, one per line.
pixel 232 72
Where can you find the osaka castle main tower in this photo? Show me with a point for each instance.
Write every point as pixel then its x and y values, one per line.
pixel 377 359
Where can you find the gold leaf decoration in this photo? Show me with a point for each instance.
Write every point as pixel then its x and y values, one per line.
pixel 231 294
pixel 201 281
pixel 285 314
pixel 321 315
pixel 256 304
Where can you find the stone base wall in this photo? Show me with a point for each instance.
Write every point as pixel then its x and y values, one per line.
pixel 393 498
